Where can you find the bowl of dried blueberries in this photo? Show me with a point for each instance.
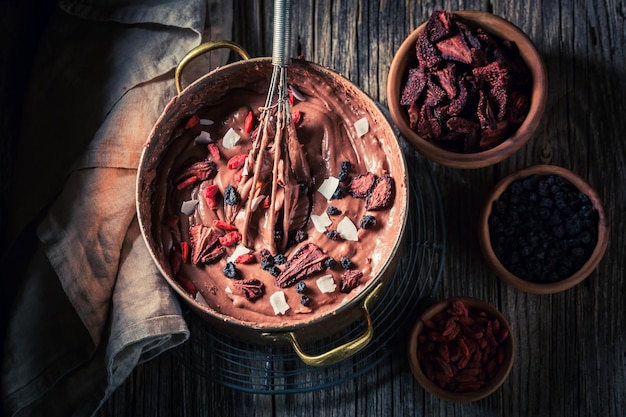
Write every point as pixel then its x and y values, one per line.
pixel 543 229
pixel 461 349
pixel 467 89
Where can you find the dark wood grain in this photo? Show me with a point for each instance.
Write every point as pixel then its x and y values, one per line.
pixel 571 357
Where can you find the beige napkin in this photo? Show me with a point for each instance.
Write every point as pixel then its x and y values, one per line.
pixel 92 304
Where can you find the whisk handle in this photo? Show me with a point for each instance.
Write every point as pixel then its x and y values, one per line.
pixel 282 32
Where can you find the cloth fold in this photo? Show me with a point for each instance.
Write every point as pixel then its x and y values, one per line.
pixel 92 303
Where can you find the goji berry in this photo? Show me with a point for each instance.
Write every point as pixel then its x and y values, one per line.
pixel 249 122
pixel 237 161
pixel 224 225
pixel 291 98
pixel 188 182
pixel 184 251
pixel 193 121
pixel 211 202
pixel 211 191
pixel 296 116
pixel 214 151
pixel 246 258
pixel 238 176
pixel 230 239
pixel 186 284
pixel 266 202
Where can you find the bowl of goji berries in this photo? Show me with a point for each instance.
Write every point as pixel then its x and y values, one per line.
pixel 543 229
pixel 467 89
pixel 461 349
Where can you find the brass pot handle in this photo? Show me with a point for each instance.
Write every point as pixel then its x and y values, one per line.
pixel 202 49
pixel 341 352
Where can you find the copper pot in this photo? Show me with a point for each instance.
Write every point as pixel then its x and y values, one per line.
pixel 151 199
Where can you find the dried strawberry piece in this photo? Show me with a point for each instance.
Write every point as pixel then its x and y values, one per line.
pixel 214 255
pixel 428 126
pixel 251 288
pixel 414 86
pixel 349 280
pixel 203 240
pixel 492 137
pixel 435 95
pixel 427 54
pixel 382 194
pixel 496 76
pixel 202 170
pixel 455 48
pixel 186 283
pixel 237 161
pixel 461 124
pixel 230 239
pixel 361 185
pixel 518 106
pixel 246 258
pixel 224 225
pixel 485 113
pixel 458 103
pixel 249 122
pixel 307 260
pixel 214 151
pixel 439 25
pixel 192 121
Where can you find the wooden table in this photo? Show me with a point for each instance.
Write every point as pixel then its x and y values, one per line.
pixel 571 357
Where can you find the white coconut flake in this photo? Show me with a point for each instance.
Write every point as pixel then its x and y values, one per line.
pixel 188 207
pixel 279 303
pixel 326 284
pixel 204 138
pixel 228 290
pixel 362 126
pixel 206 122
pixel 297 94
pixel 200 299
pixel 230 139
pixel 321 222
pixel 239 250
pixel 328 187
pixel 347 230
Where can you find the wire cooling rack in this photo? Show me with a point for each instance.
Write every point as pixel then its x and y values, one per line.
pixel 278 370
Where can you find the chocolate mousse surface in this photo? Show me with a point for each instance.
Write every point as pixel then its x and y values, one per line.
pixel 271 240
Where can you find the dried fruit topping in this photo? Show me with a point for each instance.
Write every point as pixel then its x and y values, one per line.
pixel 221 224
pixel 251 288
pixel 305 300
pixel 186 283
pixel 306 261
pixel 203 241
pixel 349 280
pixel 184 251
pixel 330 263
pixel 333 211
pixel 231 197
pixel 296 116
pixel 367 221
pixel 211 191
pixel 246 258
pixel 249 123
pixel 346 263
pixel 382 194
pixel 214 151
pixel 237 161
pixel 192 122
pixel 361 185
pixel 280 259
pixel 230 270
pixel 230 239
pixel 332 234
pixel 202 170
pixel 301 287
pixel 175 261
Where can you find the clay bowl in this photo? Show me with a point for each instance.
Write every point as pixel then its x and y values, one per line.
pixel 487 240
pixel 405 58
pixel 420 346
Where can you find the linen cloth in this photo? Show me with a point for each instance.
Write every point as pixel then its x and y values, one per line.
pixel 92 304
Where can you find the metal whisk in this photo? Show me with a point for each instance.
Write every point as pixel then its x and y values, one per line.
pixel 290 169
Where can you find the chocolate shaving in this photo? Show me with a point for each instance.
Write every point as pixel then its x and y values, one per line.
pixel 349 280
pixel 307 260
pixel 251 288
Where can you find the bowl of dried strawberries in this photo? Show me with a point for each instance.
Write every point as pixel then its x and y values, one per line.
pixel 461 349
pixel 543 229
pixel 467 89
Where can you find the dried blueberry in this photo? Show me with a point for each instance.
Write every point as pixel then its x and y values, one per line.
pixel 266 264
pixel 346 166
pixel 300 287
pixel 301 236
pixel 343 176
pixel 346 263
pixel 280 259
pixel 332 234
pixel 274 270
pixel 338 194
pixel 230 271
pixel 265 255
pixel 367 221
pixel 305 300
pixel 330 263
pixel 333 211
pixel 231 197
